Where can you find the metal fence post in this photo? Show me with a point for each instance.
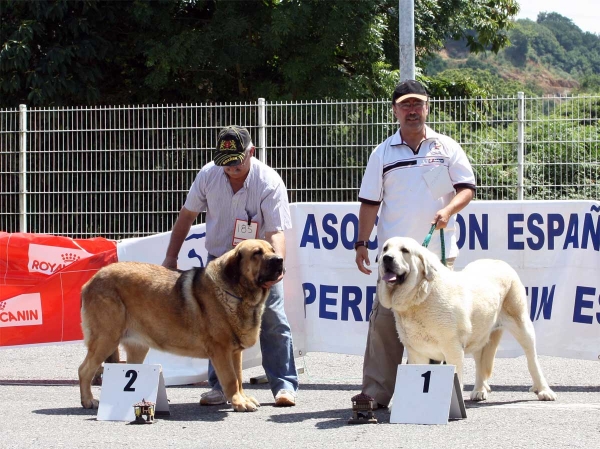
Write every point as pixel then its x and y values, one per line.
pixel 406 39
pixel 262 130
pixel 520 144
pixel 22 168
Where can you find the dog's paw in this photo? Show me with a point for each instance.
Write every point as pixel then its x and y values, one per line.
pixel 90 403
pixel 243 403
pixel 546 394
pixel 487 387
pixel 479 395
pixel 253 400
pixel 245 406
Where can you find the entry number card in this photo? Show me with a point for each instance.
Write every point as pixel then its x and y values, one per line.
pixel 244 230
pixel 125 384
pixel 427 394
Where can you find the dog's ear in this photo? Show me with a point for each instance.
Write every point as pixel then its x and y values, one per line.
pixel 428 273
pixel 232 268
pixel 428 269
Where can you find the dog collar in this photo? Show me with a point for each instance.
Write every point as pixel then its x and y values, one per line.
pixel 236 297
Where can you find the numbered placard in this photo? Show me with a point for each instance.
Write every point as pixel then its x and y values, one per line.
pixel 125 384
pixel 427 394
pixel 244 230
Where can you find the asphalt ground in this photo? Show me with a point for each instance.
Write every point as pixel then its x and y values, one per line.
pixel 39 408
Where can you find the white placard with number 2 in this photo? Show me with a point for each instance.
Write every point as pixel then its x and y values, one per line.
pixel 125 384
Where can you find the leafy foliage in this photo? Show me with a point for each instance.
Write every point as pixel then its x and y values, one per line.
pixel 60 52
pixel 51 50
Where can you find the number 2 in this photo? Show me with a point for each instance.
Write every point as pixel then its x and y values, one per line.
pixel 427 377
pixel 133 374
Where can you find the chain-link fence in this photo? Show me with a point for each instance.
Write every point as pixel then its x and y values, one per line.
pixel 124 171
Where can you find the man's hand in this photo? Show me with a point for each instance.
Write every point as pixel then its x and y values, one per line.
pixel 170 262
pixel 441 218
pixel 463 196
pixel 277 239
pixel 362 258
pixel 178 234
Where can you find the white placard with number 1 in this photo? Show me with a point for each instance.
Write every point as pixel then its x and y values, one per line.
pixel 427 394
pixel 126 384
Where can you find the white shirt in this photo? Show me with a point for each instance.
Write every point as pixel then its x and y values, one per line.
pixel 263 199
pixel 394 179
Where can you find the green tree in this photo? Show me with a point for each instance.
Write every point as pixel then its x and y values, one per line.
pixel 590 83
pixel 517 52
pixel 57 52
pixel 469 82
pixel 482 23
pixel 51 50
pixel 544 43
pixel 553 55
pixel 568 34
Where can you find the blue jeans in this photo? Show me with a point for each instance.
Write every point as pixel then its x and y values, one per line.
pixel 275 344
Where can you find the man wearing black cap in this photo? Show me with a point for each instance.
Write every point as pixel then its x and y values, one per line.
pixel 235 187
pixel 414 179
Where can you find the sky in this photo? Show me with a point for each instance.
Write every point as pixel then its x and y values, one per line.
pixel 584 13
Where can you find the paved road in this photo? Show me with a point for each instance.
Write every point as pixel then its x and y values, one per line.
pixel 40 415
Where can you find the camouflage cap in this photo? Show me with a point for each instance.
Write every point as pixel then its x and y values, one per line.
pixel 231 145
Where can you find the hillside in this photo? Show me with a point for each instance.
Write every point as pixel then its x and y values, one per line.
pixel 550 56
pixel 542 79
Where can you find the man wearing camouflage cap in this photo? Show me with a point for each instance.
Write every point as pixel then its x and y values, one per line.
pixel 235 187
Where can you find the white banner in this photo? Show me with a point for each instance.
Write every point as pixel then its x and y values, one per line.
pixel 553 245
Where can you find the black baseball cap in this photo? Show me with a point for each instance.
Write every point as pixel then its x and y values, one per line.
pixel 409 89
pixel 231 145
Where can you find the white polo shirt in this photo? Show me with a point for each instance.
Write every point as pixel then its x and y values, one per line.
pixel 262 199
pixel 394 180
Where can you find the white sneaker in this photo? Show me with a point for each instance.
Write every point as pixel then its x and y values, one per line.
pixel 285 398
pixel 213 397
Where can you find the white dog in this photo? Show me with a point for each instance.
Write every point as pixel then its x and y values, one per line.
pixel 441 314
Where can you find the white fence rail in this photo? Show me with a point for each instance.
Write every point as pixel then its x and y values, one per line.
pixel 124 171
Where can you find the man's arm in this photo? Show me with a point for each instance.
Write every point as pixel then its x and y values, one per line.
pixel 367 215
pixel 180 230
pixel 277 240
pixel 463 196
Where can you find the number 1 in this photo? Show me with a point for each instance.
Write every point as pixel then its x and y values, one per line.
pixel 426 376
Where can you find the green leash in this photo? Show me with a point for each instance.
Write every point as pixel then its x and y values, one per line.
pixel 428 239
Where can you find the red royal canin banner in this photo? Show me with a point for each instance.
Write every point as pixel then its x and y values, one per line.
pixel 40 284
